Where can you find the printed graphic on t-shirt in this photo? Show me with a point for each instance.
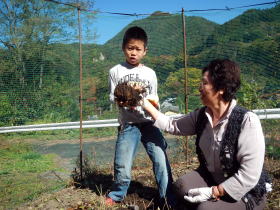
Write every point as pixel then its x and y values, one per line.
pixel 135 80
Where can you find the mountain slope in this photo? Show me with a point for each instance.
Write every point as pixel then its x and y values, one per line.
pixel 165 34
pixel 252 39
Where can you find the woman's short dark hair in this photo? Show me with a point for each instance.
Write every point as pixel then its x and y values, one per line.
pixel 225 75
pixel 137 33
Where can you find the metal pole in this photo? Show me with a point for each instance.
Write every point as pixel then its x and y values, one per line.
pixel 185 62
pixel 81 93
pixel 186 76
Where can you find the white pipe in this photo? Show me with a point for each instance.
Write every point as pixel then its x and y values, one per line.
pixel 262 114
pixel 57 128
pixel 261 111
pixel 269 116
pixel 89 122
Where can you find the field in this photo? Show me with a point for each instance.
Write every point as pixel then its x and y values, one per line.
pixel 142 191
pixel 40 180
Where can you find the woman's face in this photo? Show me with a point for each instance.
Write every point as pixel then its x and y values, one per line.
pixel 208 94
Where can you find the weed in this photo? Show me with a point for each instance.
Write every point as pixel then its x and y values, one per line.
pixel 20 168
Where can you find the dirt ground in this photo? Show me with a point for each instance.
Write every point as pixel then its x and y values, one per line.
pixel 142 191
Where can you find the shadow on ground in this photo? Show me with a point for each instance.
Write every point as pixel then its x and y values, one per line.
pixel 101 181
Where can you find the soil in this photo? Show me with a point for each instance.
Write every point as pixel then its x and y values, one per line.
pixel 91 193
pixel 142 192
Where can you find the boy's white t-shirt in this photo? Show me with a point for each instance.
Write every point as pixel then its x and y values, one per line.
pixel 142 75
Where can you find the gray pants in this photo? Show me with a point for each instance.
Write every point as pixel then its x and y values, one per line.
pixel 196 179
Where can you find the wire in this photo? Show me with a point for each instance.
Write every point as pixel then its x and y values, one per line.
pixel 147 14
pixel 231 8
pixel 67 4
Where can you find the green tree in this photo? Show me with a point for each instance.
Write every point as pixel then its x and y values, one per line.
pixel 250 96
pixel 175 87
pixel 29 29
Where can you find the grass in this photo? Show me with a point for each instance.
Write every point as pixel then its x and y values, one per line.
pixel 20 173
pixel 21 169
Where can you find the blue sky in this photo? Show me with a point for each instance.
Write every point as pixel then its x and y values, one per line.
pixel 108 25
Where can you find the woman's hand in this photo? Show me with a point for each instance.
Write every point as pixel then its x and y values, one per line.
pixel 198 195
pixel 154 100
pixel 150 108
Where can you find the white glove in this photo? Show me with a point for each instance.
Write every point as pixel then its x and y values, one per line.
pixel 268 187
pixel 198 195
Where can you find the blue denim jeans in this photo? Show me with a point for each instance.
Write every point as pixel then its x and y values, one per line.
pixel 126 147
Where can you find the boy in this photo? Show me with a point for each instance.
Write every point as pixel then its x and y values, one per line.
pixel 135 124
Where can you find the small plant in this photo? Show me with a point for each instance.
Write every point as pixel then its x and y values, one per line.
pixel 20 173
pixel 273 151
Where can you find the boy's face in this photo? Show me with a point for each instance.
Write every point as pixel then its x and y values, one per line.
pixel 134 51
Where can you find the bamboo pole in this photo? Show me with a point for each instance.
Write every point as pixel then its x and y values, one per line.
pixel 81 92
pixel 186 77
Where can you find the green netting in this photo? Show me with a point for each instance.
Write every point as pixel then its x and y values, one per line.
pixel 40 70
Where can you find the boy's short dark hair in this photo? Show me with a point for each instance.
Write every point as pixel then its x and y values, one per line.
pixel 135 32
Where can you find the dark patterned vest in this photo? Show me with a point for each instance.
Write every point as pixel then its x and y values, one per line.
pixel 228 152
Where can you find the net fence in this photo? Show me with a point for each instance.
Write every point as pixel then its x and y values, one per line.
pixel 40 58
pixel 40 68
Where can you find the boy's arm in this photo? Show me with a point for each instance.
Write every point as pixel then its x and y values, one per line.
pixel 154 86
pixel 112 85
pixel 153 96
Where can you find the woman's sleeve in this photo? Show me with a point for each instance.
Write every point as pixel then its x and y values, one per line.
pixel 251 151
pixel 183 126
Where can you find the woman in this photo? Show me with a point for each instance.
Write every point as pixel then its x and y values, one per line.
pixel 230 145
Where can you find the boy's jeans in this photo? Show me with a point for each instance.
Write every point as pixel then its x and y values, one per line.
pixel 126 147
